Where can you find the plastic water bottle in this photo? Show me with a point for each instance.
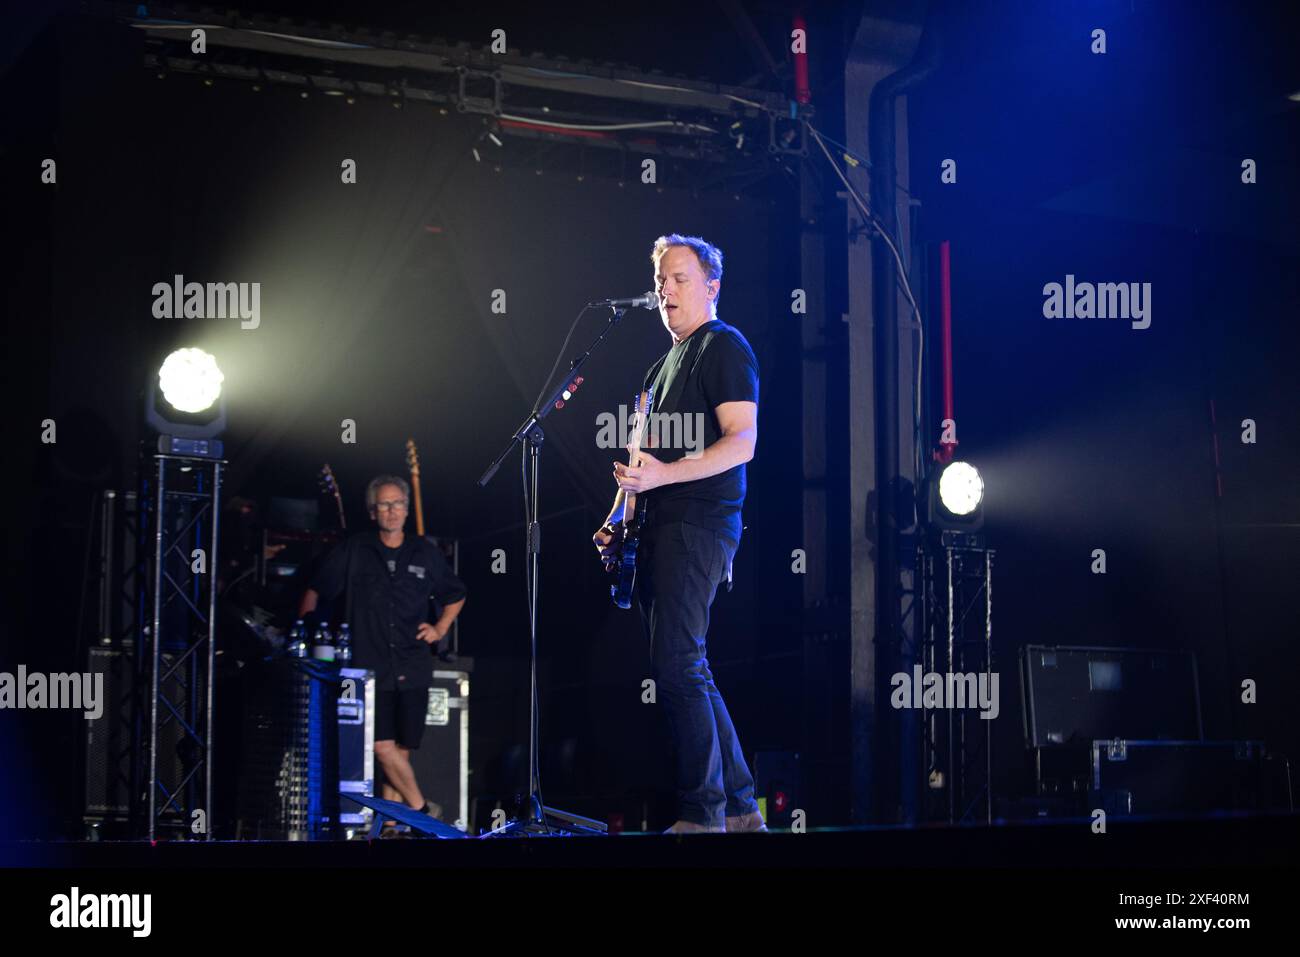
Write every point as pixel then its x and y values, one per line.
pixel 343 653
pixel 322 645
pixel 297 646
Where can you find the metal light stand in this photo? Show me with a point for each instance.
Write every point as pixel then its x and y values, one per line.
pixel 958 573
pixel 180 638
pixel 538 819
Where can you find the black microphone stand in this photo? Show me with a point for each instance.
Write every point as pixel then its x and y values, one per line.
pixel 538 819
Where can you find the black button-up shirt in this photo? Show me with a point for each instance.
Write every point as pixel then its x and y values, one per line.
pixel 388 593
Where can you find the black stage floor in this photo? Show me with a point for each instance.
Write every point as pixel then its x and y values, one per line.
pixel 1224 840
pixel 1031 883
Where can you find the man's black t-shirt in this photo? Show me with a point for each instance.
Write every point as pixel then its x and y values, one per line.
pixel 388 592
pixel 712 365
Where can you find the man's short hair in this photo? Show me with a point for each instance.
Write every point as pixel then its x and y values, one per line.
pixel 709 255
pixel 378 482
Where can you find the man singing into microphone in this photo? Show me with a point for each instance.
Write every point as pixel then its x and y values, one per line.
pixel 693 528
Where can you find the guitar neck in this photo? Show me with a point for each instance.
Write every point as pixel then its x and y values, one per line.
pixel 638 423
pixel 329 485
pixel 419 506
pixel 634 460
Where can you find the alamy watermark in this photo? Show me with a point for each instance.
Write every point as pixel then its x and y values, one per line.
pixel 664 430
pixel 179 299
pixel 36 690
pixel 1103 300
pixel 936 691
pixel 77 910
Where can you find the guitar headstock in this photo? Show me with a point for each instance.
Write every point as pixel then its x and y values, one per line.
pixel 412 457
pixel 640 416
pixel 328 484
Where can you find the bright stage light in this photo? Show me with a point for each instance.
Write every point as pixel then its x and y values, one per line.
pixel 190 380
pixel 960 488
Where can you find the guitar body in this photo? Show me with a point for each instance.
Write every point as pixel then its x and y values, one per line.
pixel 627 539
pixel 624 571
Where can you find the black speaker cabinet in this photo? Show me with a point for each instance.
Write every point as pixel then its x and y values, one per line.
pixel 107 755
pixel 1073 696
pixel 108 742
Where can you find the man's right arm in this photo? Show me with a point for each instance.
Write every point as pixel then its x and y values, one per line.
pixel 604 536
pixel 617 510
pixel 307 604
pixel 329 581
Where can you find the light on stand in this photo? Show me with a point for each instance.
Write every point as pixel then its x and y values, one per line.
pixel 960 488
pixel 956 496
pixel 185 404
pixel 190 380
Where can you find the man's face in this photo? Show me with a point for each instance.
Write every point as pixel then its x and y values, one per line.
pixel 684 291
pixel 390 508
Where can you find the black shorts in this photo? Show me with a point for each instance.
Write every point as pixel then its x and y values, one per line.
pixel 400 714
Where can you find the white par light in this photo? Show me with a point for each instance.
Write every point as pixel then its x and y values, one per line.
pixel 190 380
pixel 960 488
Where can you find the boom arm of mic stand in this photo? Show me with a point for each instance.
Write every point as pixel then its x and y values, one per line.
pixel 539 818
pixel 545 409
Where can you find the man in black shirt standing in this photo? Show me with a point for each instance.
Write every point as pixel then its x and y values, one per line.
pixel 706 393
pixel 389 578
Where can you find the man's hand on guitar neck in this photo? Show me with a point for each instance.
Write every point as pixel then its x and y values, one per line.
pixel 650 474
pixel 735 446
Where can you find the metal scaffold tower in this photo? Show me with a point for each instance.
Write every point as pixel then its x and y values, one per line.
pixel 957 740
pixel 180 497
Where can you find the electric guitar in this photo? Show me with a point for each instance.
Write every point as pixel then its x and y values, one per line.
pixel 627 530
pixel 329 486
pixel 445 649
pixel 413 463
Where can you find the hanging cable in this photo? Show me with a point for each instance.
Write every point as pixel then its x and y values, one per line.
pixel 917 463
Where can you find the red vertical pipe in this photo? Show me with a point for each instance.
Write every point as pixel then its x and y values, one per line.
pixel 945 344
pixel 801 91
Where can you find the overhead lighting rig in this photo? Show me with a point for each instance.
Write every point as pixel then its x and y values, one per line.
pixel 581 104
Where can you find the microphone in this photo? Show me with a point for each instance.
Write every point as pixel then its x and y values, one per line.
pixel 648 300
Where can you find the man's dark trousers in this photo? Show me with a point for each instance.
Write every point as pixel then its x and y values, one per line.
pixel 679 567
